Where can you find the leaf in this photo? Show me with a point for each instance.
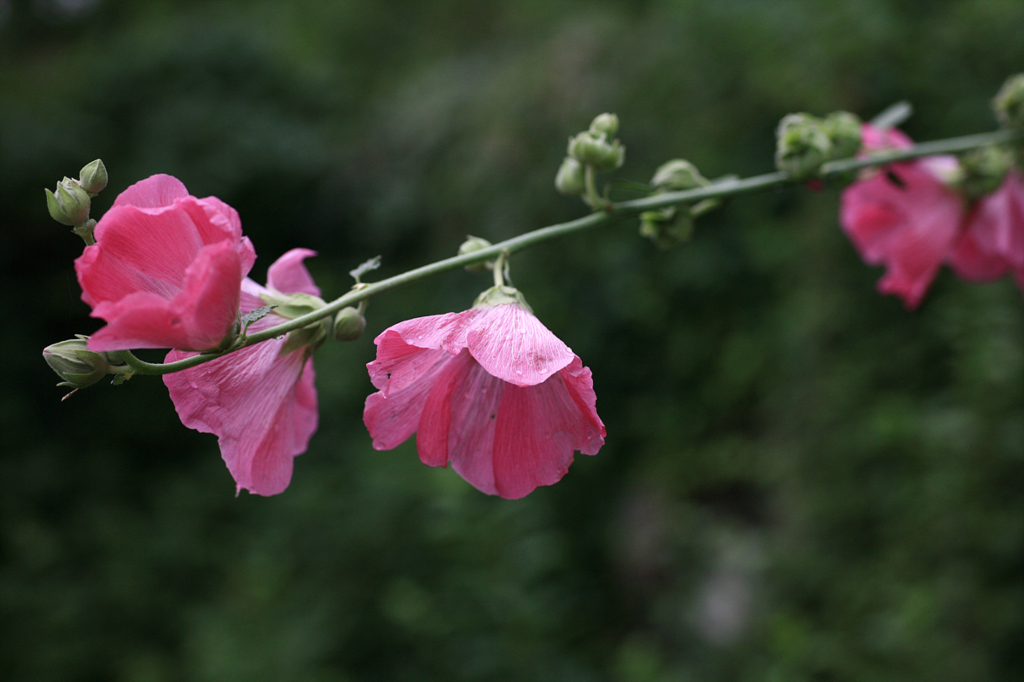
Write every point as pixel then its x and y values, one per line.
pixel 254 315
pixel 366 267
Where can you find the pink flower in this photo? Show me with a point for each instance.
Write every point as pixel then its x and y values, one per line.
pixel 992 242
pixel 490 390
pixel 261 405
pixel 903 217
pixel 165 270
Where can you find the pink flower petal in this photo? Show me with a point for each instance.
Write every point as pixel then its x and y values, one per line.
pixel 288 274
pixel 970 262
pixel 453 385
pixel 153 192
pixel 261 405
pixel 513 345
pixel 405 378
pixel 198 316
pixel 876 139
pixel 997 222
pixel 537 430
pixel 438 332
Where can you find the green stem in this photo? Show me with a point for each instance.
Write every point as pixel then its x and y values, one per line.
pixel 611 212
pixel 499 269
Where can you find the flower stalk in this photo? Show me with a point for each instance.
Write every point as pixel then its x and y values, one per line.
pixel 606 212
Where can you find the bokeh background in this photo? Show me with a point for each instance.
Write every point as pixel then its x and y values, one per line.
pixel 802 481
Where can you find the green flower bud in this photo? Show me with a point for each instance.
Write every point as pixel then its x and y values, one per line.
pixel 605 124
pixel 69 205
pixel 75 363
pixel 349 324
pixel 843 130
pixel 475 244
pixel 983 170
pixel 569 179
pixel 802 145
pixel 667 227
pixel 677 175
pixel 1009 102
pixel 596 151
pixel 93 177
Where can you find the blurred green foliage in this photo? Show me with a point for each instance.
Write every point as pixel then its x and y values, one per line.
pixel 802 481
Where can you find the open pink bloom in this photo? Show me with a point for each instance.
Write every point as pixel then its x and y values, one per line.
pixel 992 241
pixel 489 390
pixel 904 217
pixel 165 270
pixel 262 405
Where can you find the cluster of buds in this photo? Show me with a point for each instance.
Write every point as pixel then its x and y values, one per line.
pixel 69 204
pixel 595 150
pixel 805 142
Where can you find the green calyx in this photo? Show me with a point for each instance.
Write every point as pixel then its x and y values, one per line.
pixel 291 306
pixel 501 295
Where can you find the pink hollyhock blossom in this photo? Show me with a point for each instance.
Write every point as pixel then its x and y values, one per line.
pixel 904 217
pixel 874 139
pixel 992 241
pixel 261 405
pixel 165 270
pixel 489 390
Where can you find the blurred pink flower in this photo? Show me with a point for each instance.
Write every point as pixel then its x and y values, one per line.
pixel 261 405
pixel 489 390
pixel 165 270
pixel 992 241
pixel 902 216
pixel 906 219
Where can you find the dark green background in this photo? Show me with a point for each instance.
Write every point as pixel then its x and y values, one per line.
pixel 802 481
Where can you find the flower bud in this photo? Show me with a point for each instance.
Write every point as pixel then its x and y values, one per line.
pixel 983 170
pixel 667 227
pixel 69 205
pixel 605 124
pixel 1009 102
pixel 569 179
pixel 596 151
pixel 843 130
pixel 677 175
pixel 349 324
pixel 475 244
pixel 93 177
pixel 802 145
pixel 75 363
